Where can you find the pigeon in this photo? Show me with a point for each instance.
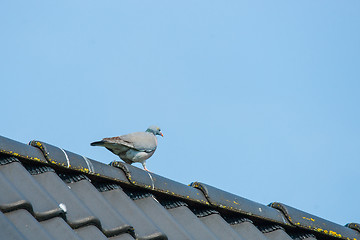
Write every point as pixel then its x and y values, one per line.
pixel 133 147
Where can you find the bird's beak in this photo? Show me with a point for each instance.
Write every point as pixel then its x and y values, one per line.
pixel 161 134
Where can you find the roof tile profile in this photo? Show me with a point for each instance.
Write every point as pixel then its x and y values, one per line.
pixel 47 192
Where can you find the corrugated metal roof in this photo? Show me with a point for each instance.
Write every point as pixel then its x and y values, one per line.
pixel 50 193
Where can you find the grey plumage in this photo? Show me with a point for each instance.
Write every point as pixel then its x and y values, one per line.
pixel 133 147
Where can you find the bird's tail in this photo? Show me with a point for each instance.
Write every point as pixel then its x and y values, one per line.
pixel 99 143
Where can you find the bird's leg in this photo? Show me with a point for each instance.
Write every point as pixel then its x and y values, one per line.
pixel 144 165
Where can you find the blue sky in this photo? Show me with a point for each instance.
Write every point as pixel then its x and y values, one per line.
pixel 259 98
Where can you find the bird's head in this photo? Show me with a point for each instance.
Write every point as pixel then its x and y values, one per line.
pixel 155 130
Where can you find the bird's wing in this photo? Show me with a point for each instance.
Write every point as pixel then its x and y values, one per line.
pixel 140 141
pixel 117 141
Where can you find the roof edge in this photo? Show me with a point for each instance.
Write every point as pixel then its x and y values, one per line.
pixel 307 221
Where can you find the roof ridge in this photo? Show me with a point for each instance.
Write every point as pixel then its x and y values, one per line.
pixel 266 228
pixel 170 203
pixel 137 194
pixel 232 220
pixel 203 211
pixel 301 236
pixel 73 177
pixel 35 169
pixel 104 187
pixel 4 159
